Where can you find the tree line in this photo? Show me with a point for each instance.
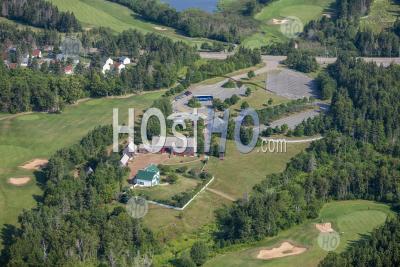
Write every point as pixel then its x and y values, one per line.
pixel 39 13
pixel 195 22
pixel 72 225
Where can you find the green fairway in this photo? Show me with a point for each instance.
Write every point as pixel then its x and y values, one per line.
pixel 305 10
pixel 101 13
pixel 39 135
pixel 351 219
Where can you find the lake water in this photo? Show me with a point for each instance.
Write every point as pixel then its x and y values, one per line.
pixel 206 5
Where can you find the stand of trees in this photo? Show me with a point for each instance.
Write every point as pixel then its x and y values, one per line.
pixel 39 13
pixel 72 225
pixel 301 61
pixel 197 23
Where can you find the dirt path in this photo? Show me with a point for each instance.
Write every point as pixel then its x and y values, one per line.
pixel 221 194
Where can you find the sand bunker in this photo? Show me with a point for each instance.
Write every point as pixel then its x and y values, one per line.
pixel 160 28
pixel 324 227
pixel 35 164
pixel 279 21
pixel 19 181
pixel 284 250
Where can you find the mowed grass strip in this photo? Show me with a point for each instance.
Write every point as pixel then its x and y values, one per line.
pixel 39 135
pixel 102 13
pixel 305 10
pixel 352 219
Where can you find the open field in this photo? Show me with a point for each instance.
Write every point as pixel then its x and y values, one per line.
pixel 383 14
pixel 39 135
pixel 305 10
pixel 101 13
pixel 350 218
pixel 166 192
pixel 238 173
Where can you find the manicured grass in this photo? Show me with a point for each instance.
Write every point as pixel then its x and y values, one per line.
pixel 96 13
pixel 383 14
pixel 39 135
pixel 305 10
pixel 350 218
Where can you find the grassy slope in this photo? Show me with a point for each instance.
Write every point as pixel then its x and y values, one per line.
pixel 383 13
pixel 96 13
pixel 26 137
pixel 353 218
pixel 305 10
pixel 235 175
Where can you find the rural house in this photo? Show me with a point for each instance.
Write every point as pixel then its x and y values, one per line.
pixel 68 70
pixel 107 65
pixel 36 53
pixel 124 60
pixel 148 177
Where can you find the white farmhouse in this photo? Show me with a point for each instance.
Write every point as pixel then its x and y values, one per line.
pixel 107 65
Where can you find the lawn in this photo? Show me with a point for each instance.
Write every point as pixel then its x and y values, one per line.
pixel 166 192
pixel 101 13
pixel 383 14
pixel 305 10
pixel 352 219
pixel 39 135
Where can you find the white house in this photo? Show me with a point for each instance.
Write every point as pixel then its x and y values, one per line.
pixel 60 57
pixel 25 61
pixel 148 177
pixel 125 60
pixel 107 65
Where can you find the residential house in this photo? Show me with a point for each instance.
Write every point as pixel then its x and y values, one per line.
pixel 125 60
pixel 48 48
pixel 36 53
pixel 68 70
pixel 107 65
pixel 60 57
pixel 148 177
pixel 25 61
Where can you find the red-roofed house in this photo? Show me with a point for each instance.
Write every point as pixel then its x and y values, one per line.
pixel 68 70
pixel 36 53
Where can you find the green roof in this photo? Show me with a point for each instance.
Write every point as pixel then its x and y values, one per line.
pixel 148 173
